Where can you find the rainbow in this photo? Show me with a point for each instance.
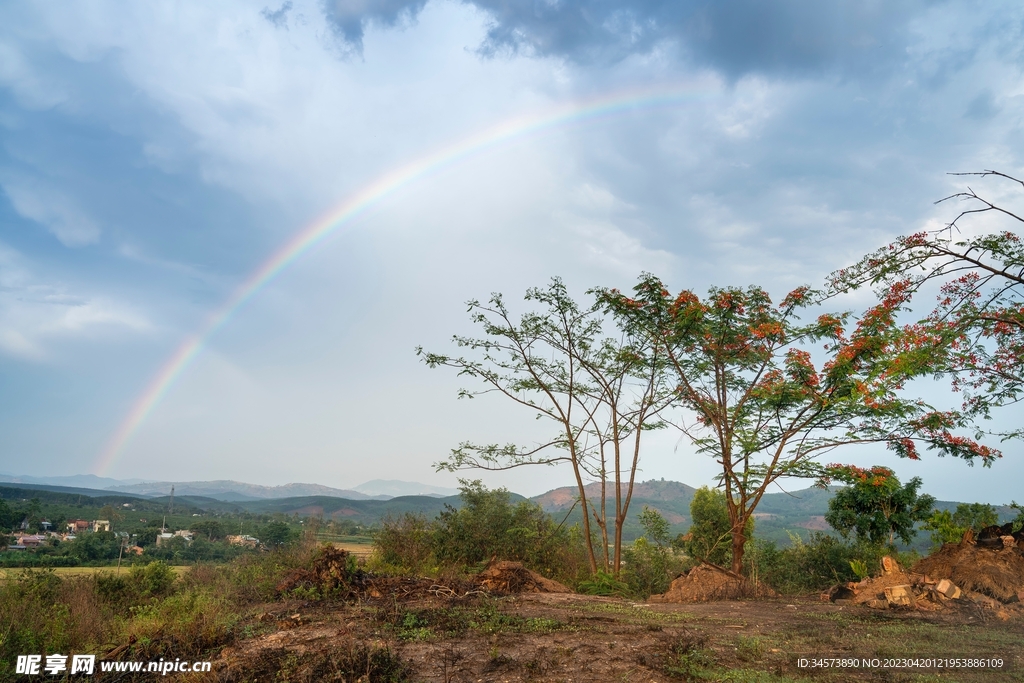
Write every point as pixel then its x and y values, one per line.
pixel 358 204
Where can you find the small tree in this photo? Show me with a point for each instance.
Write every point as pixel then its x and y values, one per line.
pixel 756 401
pixel 210 528
pixel 277 534
pixel 602 393
pixel 874 505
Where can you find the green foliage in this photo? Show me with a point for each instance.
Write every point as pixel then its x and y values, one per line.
pixel 210 528
pixel 975 516
pixel 710 537
pixel 40 612
pixel 860 569
pixel 603 583
pixel 651 563
pixel 655 526
pixel 6 515
pixel 690 659
pixel 1018 520
pixel 949 527
pixel 141 585
pixel 489 525
pixel 277 534
pixel 812 566
pixel 404 543
pixel 147 537
pixel 875 506
pixel 95 547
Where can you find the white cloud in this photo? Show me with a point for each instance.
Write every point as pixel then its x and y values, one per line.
pixel 33 90
pixel 60 214
pixel 36 315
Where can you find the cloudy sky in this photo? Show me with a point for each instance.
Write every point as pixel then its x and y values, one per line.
pixel 154 156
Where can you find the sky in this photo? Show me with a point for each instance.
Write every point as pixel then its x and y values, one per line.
pixel 225 227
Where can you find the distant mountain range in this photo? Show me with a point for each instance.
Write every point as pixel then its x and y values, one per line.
pixel 84 481
pixel 394 488
pixel 236 491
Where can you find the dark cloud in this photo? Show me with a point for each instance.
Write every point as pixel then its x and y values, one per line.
pixel 278 17
pixel 734 37
pixel 349 18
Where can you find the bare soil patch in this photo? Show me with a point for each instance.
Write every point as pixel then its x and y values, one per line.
pixel 419 633
pixel 707 582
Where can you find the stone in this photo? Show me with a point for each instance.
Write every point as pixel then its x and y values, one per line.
pixel 899 596
pixel 948 589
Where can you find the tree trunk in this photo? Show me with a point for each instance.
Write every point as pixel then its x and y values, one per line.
pixel 739 541
pixel 586 520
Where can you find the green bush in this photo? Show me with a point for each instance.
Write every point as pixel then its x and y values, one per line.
pixel 815 565
pixel 710 536
pixel 650 562
pixel 403 544
pixel 949 527
pixel 489 525
pixel 603 583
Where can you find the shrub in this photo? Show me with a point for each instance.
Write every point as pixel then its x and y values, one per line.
pixel 949 527
pixel 603 583
pixel 710 538
pixel 404 544
pixel 40 612
pixel 489 525
pixel 815 565
pixel 650 563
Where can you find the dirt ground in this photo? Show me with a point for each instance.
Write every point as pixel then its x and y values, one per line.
pixel 440 634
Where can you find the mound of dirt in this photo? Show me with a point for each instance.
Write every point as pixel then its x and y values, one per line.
pixel 707 582
pixel 512 577
pixel 997 573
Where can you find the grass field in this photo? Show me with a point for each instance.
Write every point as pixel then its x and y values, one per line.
pixel 79 571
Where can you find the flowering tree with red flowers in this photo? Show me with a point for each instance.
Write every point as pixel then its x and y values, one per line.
pixel 755 398
pixel 975 332
pixel 874 505
pixel 603 393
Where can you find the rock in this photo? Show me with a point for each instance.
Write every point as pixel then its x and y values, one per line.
pixel 948 589
pixel 899 596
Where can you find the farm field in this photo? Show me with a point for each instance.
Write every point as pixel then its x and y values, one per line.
pixel 81 571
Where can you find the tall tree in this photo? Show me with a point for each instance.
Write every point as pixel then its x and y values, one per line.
pixel 974 333
pixel 756 401
pixel 602 392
